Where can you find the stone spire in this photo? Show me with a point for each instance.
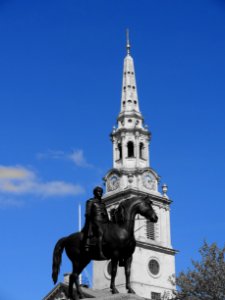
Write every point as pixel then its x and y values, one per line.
pixel 129 97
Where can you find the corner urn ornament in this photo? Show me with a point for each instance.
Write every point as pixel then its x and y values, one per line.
pixel 149 181
pixel 113 182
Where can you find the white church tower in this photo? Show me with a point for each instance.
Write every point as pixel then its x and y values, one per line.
pixel 131 176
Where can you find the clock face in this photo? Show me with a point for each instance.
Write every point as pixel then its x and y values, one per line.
pixel 149 181
pixel 113 182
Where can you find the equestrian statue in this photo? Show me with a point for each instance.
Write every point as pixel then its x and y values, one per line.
pixel 103 239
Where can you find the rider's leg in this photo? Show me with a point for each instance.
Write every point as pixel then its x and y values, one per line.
pixel 86 238
pixel 99 240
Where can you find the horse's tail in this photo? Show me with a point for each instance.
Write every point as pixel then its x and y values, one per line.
pixel 57 258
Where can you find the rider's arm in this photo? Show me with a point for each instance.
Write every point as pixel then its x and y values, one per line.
pixel 88 209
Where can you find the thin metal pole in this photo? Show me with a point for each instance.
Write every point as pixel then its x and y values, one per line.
pixel 79 217
pixel 79 228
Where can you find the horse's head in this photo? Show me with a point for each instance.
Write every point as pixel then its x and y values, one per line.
pixel 146 210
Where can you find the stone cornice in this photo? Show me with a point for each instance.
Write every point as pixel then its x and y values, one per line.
pixel 124 194
pixel 157 248
pixel 120 131
pixel 126 171
pixel 131 114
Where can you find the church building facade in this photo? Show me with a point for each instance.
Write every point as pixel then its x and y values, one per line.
pixel 131 175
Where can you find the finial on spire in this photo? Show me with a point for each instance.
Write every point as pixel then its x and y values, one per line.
pixel 128 42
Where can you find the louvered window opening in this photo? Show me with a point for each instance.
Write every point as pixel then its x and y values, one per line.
pixel 150 230
pixel 155 296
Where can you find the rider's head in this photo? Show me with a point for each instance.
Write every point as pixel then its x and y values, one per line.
pixel 98 191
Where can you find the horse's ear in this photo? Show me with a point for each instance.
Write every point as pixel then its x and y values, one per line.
pixel 148 199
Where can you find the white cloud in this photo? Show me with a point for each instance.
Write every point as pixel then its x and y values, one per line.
pixel 55 154
pixel 17 180
pixel 14 173
pixel 76 156
pixel 6 202
pixel 58 188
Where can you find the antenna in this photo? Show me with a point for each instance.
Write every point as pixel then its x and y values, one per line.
pixel 128 42
pixel 79 217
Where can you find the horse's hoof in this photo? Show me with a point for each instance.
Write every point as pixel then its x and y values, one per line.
pixel 131 291
pixel 115 291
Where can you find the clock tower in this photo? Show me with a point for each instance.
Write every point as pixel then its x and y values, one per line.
pixel 131 176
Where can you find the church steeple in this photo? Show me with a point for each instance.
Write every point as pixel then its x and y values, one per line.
pixel 132 176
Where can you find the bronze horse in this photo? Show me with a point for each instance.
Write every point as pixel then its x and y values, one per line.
pixel 118 245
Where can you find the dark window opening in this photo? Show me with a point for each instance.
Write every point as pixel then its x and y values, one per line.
pixel 120 150
pixel 155 296
pixel 129 101
pixel 150 230
pixel 130 148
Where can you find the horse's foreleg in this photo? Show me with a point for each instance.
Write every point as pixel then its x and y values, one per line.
pixel 114 263
pixel 127 268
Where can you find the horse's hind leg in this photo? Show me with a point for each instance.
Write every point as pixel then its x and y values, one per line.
pixel 72 280
pixel 75 294
pixel 114 263
pixel 127 267
pixel 77 269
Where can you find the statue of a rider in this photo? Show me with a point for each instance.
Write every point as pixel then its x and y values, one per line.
pixel 96 215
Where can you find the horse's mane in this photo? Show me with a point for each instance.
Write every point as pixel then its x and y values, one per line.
pixel 118 214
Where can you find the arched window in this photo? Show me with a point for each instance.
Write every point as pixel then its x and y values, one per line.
pixel 120 150
pixel 141 150
pixel 130 149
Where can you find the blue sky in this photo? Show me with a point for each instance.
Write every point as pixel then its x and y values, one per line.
pixel 60 85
